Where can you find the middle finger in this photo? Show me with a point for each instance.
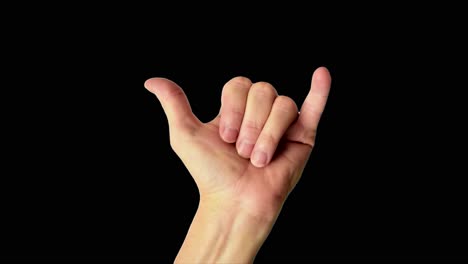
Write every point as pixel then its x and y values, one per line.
pixel 259 102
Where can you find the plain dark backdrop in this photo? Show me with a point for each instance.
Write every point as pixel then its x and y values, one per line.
pixel 89 173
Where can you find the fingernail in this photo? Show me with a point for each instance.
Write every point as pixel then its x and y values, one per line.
pixel 259 158
pixel 245 149
pixel 230 134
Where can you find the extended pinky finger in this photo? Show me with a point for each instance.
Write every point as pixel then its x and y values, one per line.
pixel 282 115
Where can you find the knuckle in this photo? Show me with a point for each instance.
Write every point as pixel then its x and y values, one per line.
pixel 264 89
pixel 237 85
pixel 305 135
pixel 232 116
pixel 252 125
pixel 309 136
pixel 237 113
pixel 173 94
pixel 239 82
pixel 269 139
pixel 285 104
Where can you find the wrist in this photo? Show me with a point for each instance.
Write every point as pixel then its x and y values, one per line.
pixel 230 209
pixel 224 232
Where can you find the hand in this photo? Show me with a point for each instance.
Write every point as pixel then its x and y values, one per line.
pixel 250 157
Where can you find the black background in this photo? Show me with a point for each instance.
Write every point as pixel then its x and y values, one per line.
pixel 89 173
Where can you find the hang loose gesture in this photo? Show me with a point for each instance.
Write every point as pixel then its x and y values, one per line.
pixel 245 161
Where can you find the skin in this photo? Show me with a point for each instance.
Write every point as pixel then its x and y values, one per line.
pixel 241 194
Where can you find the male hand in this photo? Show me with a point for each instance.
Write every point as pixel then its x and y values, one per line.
pixel 249 157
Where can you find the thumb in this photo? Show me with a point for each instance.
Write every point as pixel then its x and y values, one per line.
pixel 174 102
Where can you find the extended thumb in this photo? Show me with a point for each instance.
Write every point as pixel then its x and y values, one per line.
pixel 173 100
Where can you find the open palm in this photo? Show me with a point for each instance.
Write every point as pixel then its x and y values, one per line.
pixel 221 155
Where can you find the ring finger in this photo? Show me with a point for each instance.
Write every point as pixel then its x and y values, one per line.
pixel 283 114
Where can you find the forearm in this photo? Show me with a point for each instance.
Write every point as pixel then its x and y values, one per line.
pixel 223 235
